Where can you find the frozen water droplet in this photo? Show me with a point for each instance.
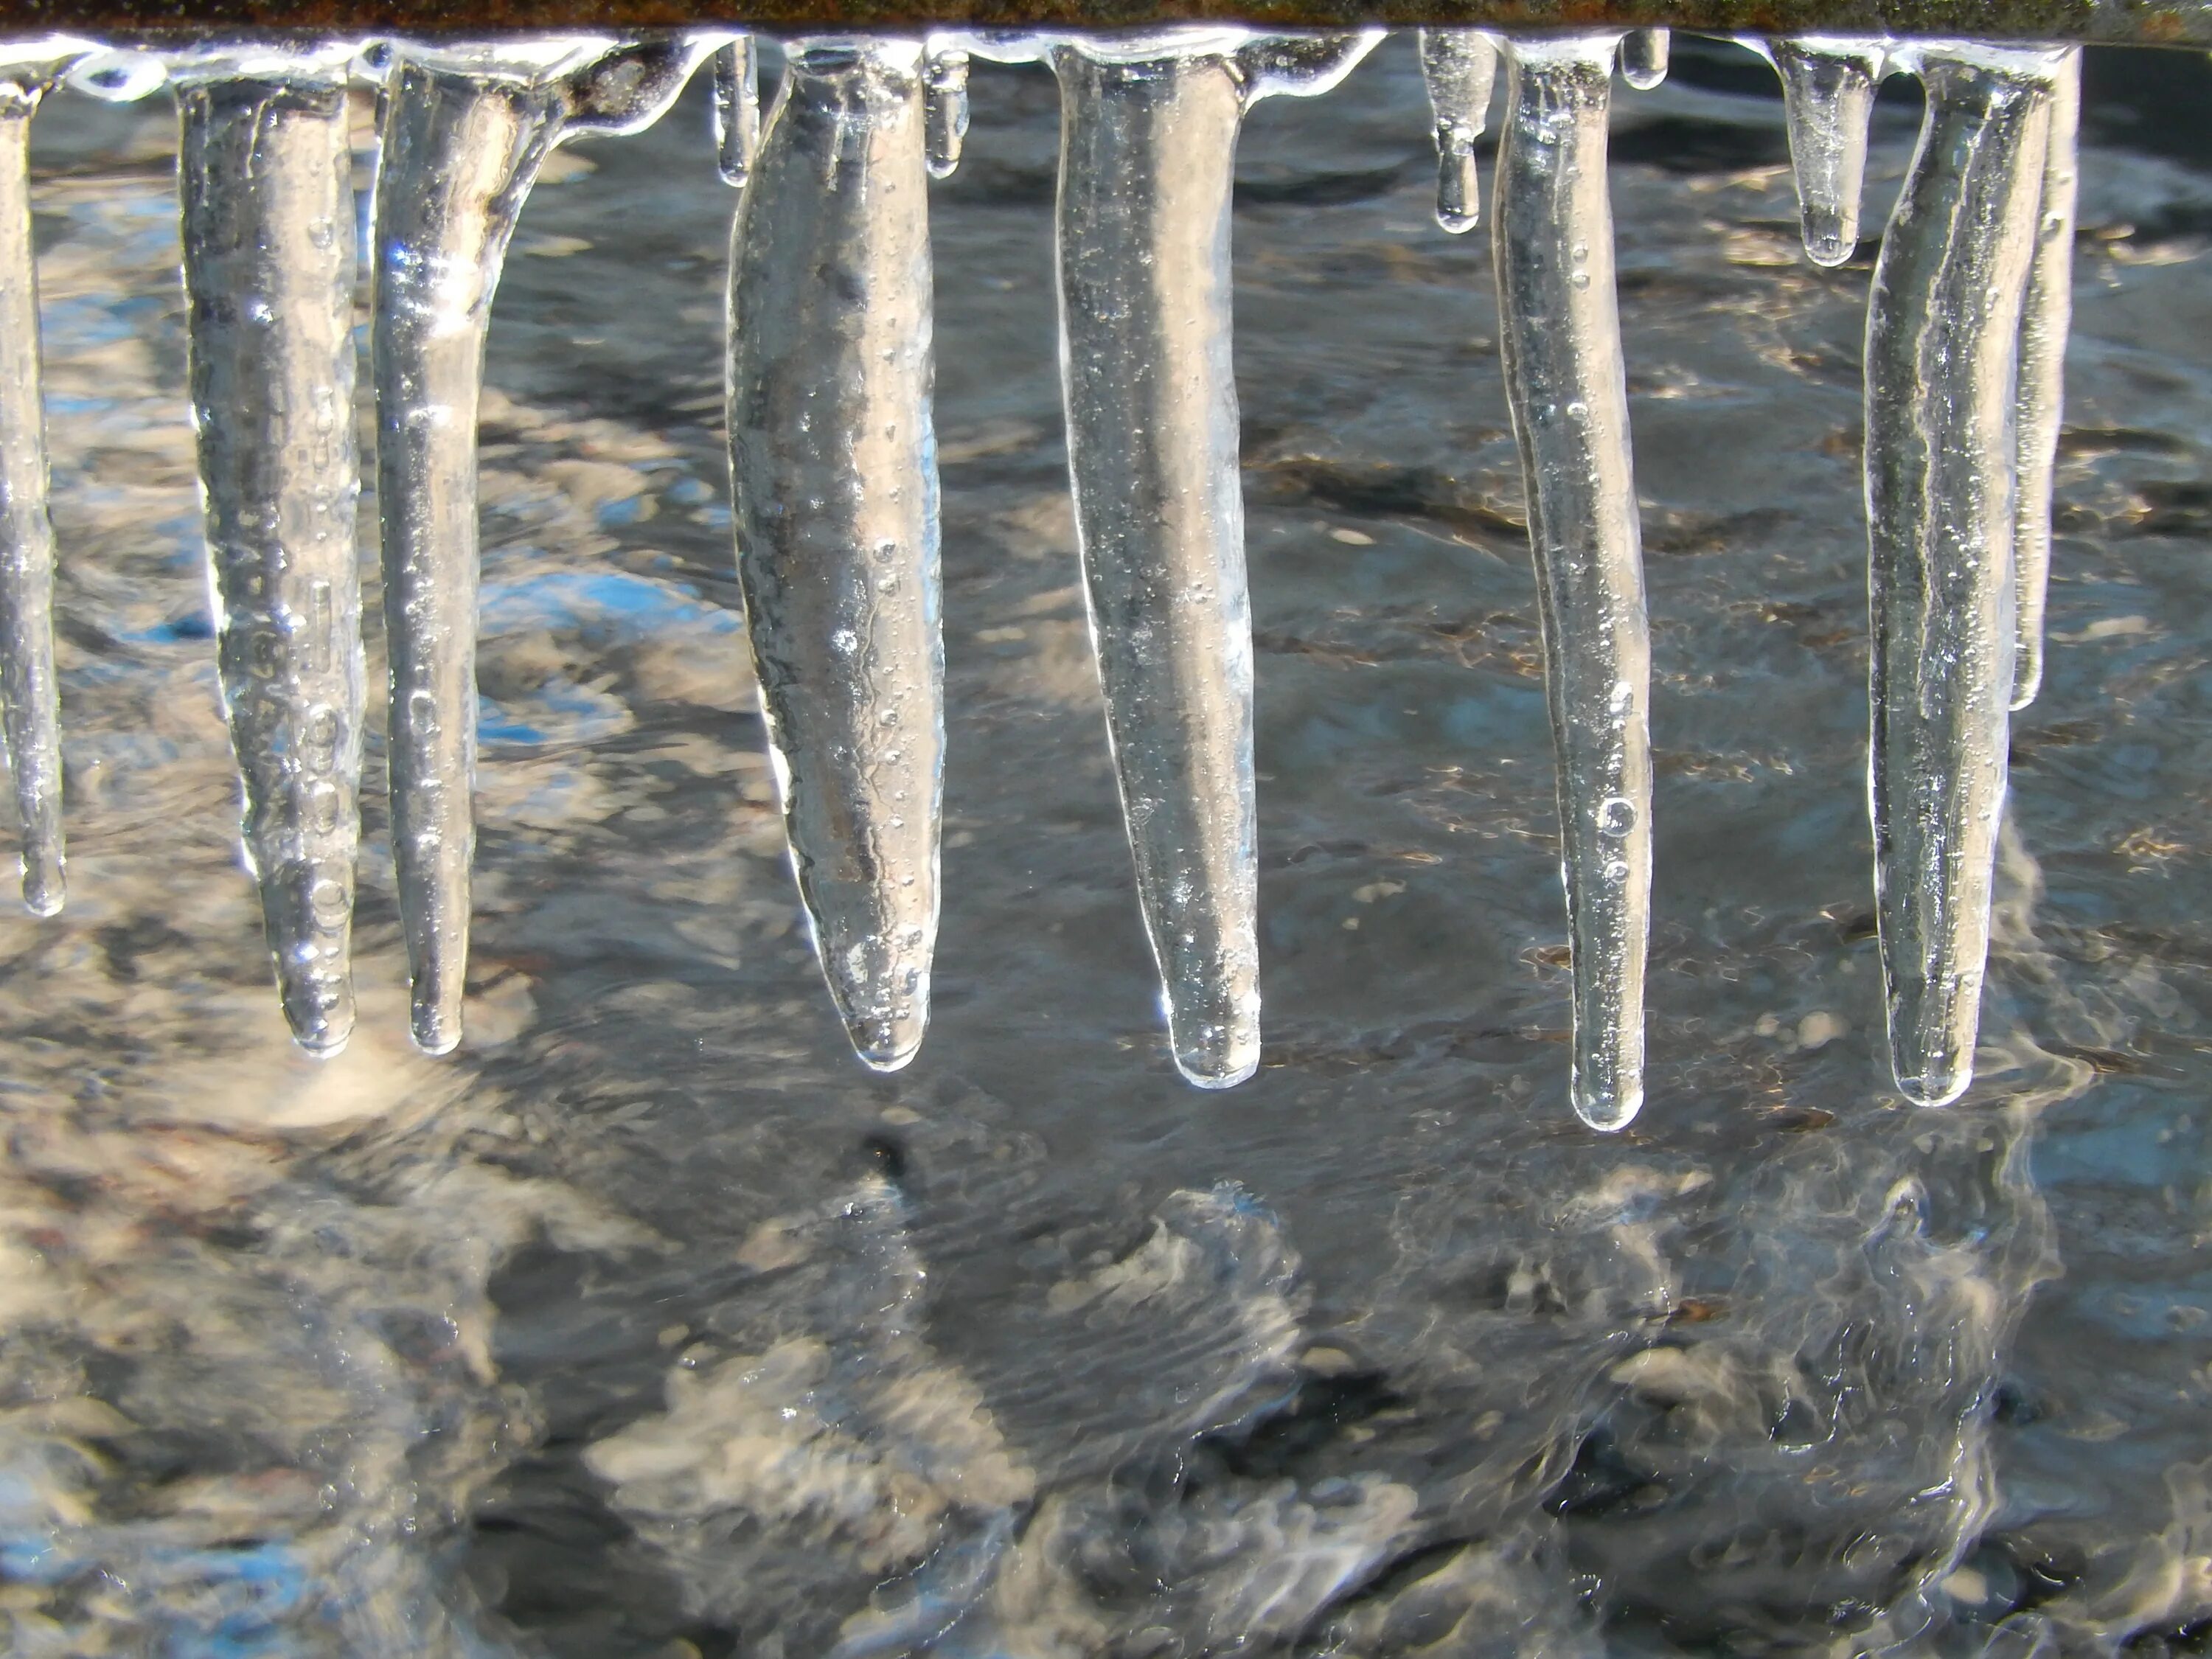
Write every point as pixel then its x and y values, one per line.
pixel 736 105
pixel 1459 67
pixel 946 108
pixel 1643 57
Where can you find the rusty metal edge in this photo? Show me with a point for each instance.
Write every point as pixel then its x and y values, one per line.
pixel 2120 23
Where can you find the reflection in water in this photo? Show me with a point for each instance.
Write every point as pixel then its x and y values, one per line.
pixel 649 1325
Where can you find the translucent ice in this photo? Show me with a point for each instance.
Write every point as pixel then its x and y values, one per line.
pixel 1943 328
pixel 1551 232
pixel 737 109
pixel 1643 57
pixel 1461 69
pixel 2048 314
pixel 265 179
pixel 834 469
pixel 1828 98
pixel 466 129
pixel 30 696
pixel 944 102
pixel 1148 143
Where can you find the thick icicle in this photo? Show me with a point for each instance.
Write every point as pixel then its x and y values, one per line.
pixel 944 102
pixel 30 693
pixel 1147 146
pixel 265 177
pixel 1552 231
pixel 737 109
pixel 834 469
pixel 1943 327
pixel 1827 99
pixel 1461 69
pixel 2044 320
pixel 1643 57
pixel 465 131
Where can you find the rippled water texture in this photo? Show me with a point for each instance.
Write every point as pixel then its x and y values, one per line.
pixel 651 1325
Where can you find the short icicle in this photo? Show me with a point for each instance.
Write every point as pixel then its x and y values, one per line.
pixel 30 692
pixel 1644 54
pixel 1827 99
pixel 1148 142
pixel 2044 320
pixel 1552 231
pixel 833 469
pixel 265 179
pixel 945 104
pixel 736 108
pixel 1943 328
pixel 1461 69
pixel 465 129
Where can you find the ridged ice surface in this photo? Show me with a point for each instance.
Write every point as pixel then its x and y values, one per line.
pixel 30 695
pixel 1943 326
pixel 1559 338
pixel 264 177
pixel 834 463
pixel 1828 98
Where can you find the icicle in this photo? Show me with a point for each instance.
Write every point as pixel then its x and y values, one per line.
pixel 465 130
pixel 946 106
pixel 833 466
pixel 1943 327
pixel 2048 314
pixel 1552 231
pixel 30 695
pixel 1827 99
pixel 1643 57
pixel 737 109
pixel 264 177
pixel 1460 67
pixel 1147 146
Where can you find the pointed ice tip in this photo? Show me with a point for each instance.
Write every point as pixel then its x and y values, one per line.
pixel 1459 190
pixel 2026 683
pixel 435 1031
pixel 1607 1113
pixel 1935 1085
pixel 326 1044
pixel 44 895
pixel 1216 1055
pixel 886 1045
pixel 1830 239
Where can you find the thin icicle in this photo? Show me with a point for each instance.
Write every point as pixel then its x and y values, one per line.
pixel 30 694
pixel 1943 327
pixel 1643 55
pixel 1827 99
pixel 1461 68
pixel 834 468
pixel 1551 232
pixel 465 130
pixel 946 106
pixel 2044 320
pixel 1147 150
pixel 264 177
pixel 737 109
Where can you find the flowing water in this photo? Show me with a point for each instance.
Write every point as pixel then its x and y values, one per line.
pixel 650 1323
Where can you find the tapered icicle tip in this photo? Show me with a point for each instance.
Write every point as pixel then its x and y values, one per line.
pixel 44 888
pixel 885 1007
pixel 1644 66
pixel 736 105
pixel 945 104
pixel 1930 1074
pixel 436 1026
pixel 1607 1110
pixel 1461 68
pixel 1827 97
pixel 1216 1047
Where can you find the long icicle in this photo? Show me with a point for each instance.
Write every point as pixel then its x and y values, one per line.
pixel 2045 321
pixel 264 179
pixel 834 468
pixel 1552 231
pixel 1827 99
pixel 1943 328
pixel 464 132
pixel 1147 150
pixel 30 691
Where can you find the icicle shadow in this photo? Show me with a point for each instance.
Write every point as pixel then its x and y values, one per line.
pixel 1943 330
pixel 30 692
pixel 2045 321
pixel 834 476
pixel 465 131
pixel 1147 148
pixel 1552 231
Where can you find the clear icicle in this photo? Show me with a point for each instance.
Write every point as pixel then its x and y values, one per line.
pixel 1147 148
pixel 30 692
pixel 1552 231
pixel 737 109
pixel 1643 57
pixel 834 469
pixel 2044 320
pixel 465 130
pixel 1943 326
pixel 945 106
pixel 265 177
pixel 1461 69
pixel 1827 99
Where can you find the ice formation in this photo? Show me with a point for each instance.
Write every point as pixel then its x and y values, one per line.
pixel 835 493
